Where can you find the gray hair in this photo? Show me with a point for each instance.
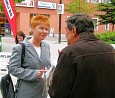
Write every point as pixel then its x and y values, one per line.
pixel 82 22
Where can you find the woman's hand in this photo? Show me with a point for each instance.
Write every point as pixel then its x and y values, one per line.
pixel 40 72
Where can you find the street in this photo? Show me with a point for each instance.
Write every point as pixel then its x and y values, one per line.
pixel 8 43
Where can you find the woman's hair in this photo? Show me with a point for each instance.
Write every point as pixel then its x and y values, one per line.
pixel 82 22
pixel 39 19
pixel 20 33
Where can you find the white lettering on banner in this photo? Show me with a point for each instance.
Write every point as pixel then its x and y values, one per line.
pixel 5 56
pixel 9 9
pixel 4 59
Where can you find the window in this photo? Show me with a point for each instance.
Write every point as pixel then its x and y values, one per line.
pixel 106 1
pixel 95 1
pixel 87 0
pixel 106 26
pixel 95 22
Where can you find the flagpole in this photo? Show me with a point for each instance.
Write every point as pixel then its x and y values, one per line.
pixel 60 2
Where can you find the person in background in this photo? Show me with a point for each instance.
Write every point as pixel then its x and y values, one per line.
pixel 36 61
pixel 19 37
pixel 86 67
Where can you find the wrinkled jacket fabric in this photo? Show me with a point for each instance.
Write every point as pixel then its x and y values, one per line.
pixel 30 85
pixel 85 69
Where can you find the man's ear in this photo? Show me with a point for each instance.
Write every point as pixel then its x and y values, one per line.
pixel 74 31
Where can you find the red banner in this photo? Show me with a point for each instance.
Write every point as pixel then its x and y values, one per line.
pixel 9 9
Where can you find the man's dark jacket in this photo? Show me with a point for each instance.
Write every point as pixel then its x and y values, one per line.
pixel 85 69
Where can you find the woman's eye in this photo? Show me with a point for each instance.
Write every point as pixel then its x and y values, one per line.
pixel 46 29
pixel 41 28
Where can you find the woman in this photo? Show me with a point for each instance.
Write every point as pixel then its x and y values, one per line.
pixel 37 57
pixel 20 37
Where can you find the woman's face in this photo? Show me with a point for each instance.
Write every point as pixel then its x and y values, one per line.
pixel 40 32
pixel 20 38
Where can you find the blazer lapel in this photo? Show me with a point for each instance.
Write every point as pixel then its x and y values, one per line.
pixel 32 50
pixel 42 52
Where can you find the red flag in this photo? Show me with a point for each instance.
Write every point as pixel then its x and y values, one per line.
pixel 10 12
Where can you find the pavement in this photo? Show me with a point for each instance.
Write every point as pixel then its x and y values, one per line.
pixel 8 43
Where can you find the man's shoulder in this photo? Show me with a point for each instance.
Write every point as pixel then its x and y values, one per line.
pixel 69 48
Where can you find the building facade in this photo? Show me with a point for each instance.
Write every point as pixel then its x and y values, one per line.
pixel 52 8
pixel 26 10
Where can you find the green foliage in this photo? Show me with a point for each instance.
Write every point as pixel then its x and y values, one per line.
pixel 1 8
pixel 108 37
pixel 79 6
pixel 108 15
pixel 113 1
pixel 18 0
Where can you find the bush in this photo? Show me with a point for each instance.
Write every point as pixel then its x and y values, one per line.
pixel 108 37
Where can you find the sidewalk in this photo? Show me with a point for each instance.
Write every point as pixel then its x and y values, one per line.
pixel 8 43
pixel 55 46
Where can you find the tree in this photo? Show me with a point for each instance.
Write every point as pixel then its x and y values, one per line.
pixel 18 0
pixel 107 14
pixel 1 8
pixel 80 6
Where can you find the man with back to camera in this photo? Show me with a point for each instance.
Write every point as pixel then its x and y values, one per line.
pixel 86 67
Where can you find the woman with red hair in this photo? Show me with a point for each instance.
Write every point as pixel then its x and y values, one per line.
pixel 36 61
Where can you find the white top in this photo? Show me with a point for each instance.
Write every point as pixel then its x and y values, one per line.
pixel 38 50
